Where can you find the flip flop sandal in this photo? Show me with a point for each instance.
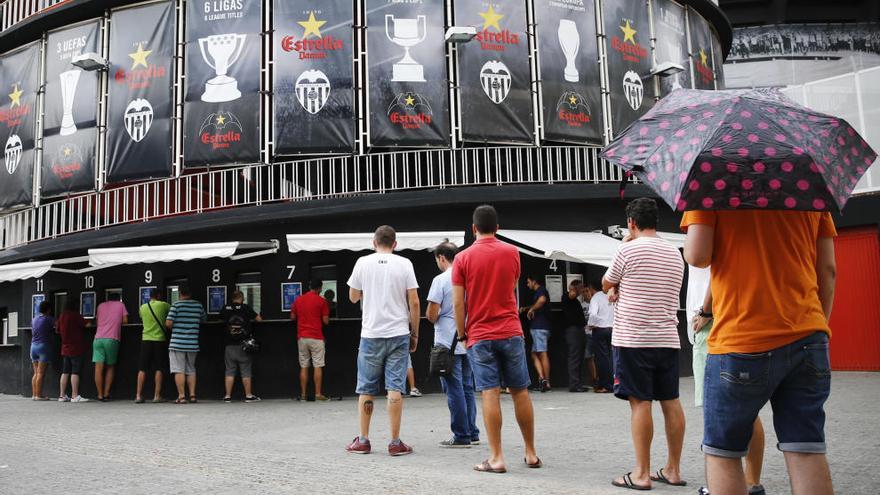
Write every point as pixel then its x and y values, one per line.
pixel 485 467
pixel 159 401
pixel 139 401
pixel 192 399
pixel 180 400
pixel 661 478
pixel 628 483
pixel 536 465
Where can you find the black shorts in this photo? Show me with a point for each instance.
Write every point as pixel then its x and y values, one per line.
pixel 71 365
pixel 646 373
pixel 154 356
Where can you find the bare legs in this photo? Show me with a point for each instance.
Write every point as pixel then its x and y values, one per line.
pixel 755 457
pixel 74 385
pixel 319 381
pixel 492 419
pixel 65 378
pixel 157 392
pixel 365 414
pixel 228 382
pixel 37 379
pixel 809 474
pixel 674 423
pixel 191 384
pixel 643 434
pixel 542 365
pixel 304 381
pixel 180 382
pixel 103 379
pixel 411 378
pixel 395 412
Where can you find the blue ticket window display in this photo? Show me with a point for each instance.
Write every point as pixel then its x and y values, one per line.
pixel 36 300
pixel 289 292
pixel 216 298
pixel 144 295
pixel 87 304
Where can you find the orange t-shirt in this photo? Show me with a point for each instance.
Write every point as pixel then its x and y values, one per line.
pixel 765 292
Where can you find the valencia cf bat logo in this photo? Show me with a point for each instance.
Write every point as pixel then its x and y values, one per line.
pixel 138 119
pixel 495 79
pixel 312 90
pixel 633 89
pixel 13 153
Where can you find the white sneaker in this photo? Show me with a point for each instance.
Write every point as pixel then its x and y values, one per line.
pixel 415 393
pixel 79 398
pixel 64 398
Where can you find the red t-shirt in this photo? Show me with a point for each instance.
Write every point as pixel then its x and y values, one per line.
pixel 72 327
pixel 489 271
pixel 310 310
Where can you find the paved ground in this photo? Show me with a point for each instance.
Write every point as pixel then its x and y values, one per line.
pixel 290 447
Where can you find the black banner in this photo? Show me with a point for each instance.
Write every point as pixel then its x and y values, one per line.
pixel 19 81
pixel 221 113
pixel 570 79
pixel 70 132
pixel 670 29
pixel 314 93
pixel 140 102
pixel 701 52
pixel 629 59
pixel 494 74
pixel 718 60
pixel 409 90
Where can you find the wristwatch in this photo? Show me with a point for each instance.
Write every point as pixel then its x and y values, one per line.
pixel 704 314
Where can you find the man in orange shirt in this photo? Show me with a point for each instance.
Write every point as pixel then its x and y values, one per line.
pixel 772 286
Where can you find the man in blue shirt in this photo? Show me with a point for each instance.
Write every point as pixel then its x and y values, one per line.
pixel 184 320
pixel 459 386
pixel 539 316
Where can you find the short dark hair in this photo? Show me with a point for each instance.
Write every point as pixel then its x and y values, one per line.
pixel 183 290
pixel 644 212
pixel 533 277
pixel 329 294
pixel 155 293
pixel 114 296
pixel 486 219
pixel 446 249
pixel 316 284
pixel 238 295
pixel 45 307
pixel 385 236
pixel 576 283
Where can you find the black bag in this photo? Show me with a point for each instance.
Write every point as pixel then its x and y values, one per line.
pixel 443 359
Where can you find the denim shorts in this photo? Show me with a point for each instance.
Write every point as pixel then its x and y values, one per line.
pixel 795 379
pixel 540 337
pixel 378 357
pixel 499 363
pixel 41 352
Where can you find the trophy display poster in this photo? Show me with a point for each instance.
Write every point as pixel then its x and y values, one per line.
pixel 139 110
pixel 409 88
pixel 628 35
pixel 670 28
pixel 313 77
pixel 494 73
pixel 701 52
pixel 19 81
pixel 570 78
pixel 70 133
pixel 221 112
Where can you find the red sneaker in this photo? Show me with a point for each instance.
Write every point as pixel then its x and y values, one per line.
pixel 358 447
pixel 399 449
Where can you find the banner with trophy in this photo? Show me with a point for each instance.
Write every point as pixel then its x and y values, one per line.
pixel 628 38
pixel 19 80
pixel 70 133
pixel 408 85
pixel 494 73
pixel 221 113
pixel 313 77
pixel 670 29
pixel 570 78
pixel 140 101
pixel 701 52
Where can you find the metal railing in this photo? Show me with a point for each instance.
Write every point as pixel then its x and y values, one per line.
pixel 14 11
pixel 304 180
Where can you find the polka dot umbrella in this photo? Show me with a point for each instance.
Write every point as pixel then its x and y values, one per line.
pixel 725 150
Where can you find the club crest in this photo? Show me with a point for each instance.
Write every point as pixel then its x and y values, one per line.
pixel 312 90
pixel 495 79
pixel 13 153
pixel 633 89
pixel 138 119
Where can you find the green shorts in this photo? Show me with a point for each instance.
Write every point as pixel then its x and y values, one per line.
pixel 105 351
pixel 701 351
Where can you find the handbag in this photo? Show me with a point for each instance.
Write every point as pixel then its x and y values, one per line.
pixel 443 359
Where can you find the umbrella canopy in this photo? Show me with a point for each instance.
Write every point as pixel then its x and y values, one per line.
pixel 713 150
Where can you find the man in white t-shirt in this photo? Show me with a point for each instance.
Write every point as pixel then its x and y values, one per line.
pixel 386 286
pixel 600 320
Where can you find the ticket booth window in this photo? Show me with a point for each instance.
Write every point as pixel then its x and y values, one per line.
pixel 249 285
pixel 60 302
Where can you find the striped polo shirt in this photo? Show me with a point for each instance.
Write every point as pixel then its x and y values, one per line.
pixel 649 272
pixel 187 315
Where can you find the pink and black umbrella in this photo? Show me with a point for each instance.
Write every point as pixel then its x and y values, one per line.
pixel 724 150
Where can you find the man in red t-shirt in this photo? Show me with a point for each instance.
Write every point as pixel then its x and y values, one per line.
pixel 311 312
pixel 485 275
pixel 72 327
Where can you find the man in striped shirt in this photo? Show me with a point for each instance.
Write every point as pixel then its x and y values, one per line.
pixel 645 281
pixel 184 320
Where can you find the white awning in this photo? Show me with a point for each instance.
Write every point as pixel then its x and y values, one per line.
pixel 364 241
pixel 176 252
pixel 579 247
pixel 24 271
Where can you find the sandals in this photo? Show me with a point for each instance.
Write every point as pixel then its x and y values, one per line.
pixel 628 483
pixel 139 401
pixel 180 400
pixel 192 399
pixel 537 464
pixel 661 478
pixel 485 467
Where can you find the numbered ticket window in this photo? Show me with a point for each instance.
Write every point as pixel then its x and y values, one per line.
pixel 112 290
pixel 60 301
pixel 249 285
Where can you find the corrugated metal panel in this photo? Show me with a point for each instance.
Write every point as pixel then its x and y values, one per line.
pixel 855 320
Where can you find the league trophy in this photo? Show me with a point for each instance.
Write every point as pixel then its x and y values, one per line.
pixel 570 42
pixel 406 34
pixel 223 50
pixel 69 80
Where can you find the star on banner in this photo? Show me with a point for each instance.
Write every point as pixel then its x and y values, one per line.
pixel 629 34
pixel 67 151
pixel 572 100
pixel 311 26
pixel 140 57
pixel 491 18
pixel 221 120
pixel 15 96
pixel 704 59
pixel 410 101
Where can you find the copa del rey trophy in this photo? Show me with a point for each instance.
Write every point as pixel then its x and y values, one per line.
pixel 220 51
pixel 69 80
pixel 570 42
pixel 406 33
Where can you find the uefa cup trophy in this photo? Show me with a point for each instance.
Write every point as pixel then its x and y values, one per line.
pixel 406 34
pixel 223 50
pixel 570 42
pixel 69 80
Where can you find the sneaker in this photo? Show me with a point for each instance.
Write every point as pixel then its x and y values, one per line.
pixel 703 491
pixel 545 386
pixel 252 398
pixel 64 398
pixel 358 447
pixel 399 448
pixel 415 393
pixel 454 444
pixel 227 400
pixel 79 398
pixel 322 398
pixel 475 441
pixel 757 490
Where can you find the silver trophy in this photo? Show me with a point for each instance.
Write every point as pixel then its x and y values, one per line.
pixel 223 50
pixel 406 34
pixel 570 42
pixel 69 80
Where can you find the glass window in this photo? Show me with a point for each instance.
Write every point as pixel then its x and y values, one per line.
pixel 249 285
pixel 59 302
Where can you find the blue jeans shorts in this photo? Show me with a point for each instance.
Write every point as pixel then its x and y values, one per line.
pixel 540 337
pixel 499 363
pixel 795 379
pixel 41 352
pixel 378 357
